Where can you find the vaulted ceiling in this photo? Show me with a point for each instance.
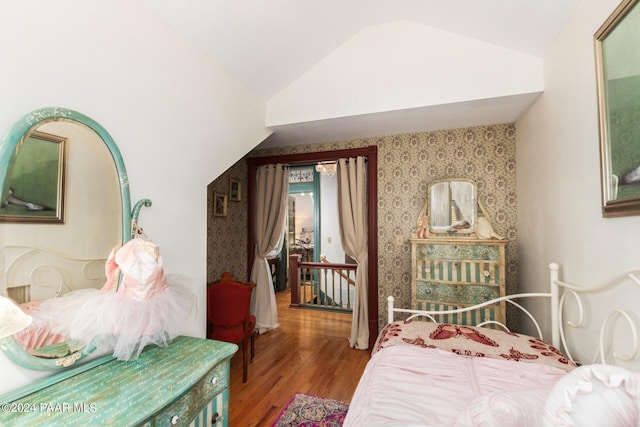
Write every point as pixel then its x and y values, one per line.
pixel 274 48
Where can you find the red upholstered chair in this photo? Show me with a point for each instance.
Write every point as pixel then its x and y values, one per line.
pixel 229 318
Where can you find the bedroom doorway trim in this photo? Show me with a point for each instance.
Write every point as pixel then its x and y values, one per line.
pixel 371 154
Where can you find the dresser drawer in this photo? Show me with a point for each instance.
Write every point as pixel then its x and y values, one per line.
pixel 214 382
pixel 455 271
pixel 203 402
pixel 214 413
pixel 179 413
pixel 462 294
pixel 458 251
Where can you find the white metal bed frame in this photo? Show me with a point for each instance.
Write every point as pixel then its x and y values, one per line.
pixel 32 272
pixel 560 293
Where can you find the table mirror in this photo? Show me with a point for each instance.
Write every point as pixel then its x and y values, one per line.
pixel 452 207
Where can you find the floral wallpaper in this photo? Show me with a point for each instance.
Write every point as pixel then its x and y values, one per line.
pixel 227 236
pixel 407 164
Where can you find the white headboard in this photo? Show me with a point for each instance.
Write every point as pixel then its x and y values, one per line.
pixel 598 323
pixel 590 324
pixel 38 273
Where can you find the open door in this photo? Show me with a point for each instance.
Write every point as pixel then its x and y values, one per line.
pixel 372 218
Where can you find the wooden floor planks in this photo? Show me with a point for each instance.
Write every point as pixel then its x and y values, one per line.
pixel 308 353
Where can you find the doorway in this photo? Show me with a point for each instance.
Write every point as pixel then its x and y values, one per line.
pixel 312 230
pixel 370 153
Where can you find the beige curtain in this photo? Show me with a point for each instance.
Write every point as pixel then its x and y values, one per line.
pixel 271 209
pixel 352 210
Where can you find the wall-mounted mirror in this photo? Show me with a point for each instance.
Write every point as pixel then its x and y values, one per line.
pixel 618 81
pixel 452 207
pixel 46 259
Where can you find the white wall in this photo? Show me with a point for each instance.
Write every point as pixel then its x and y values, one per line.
pixel 559 198
pixel 402 65
pixel 330 244
pixel 178 118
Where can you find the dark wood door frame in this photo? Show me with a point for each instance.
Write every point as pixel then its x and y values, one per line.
pixel 371 153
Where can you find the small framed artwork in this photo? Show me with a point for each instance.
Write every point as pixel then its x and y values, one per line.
pixel 235 190
pixel 35 181
pixel 617 45
pixel 219 204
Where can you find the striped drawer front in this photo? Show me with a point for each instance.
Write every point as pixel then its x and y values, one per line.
pixel 462 294
pixel 213 414
pixel 458 271
pixel 471 318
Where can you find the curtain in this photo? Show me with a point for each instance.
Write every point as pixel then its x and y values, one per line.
pixel 352 212
pixel 271 209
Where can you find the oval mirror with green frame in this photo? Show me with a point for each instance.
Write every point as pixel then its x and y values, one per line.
pixel 16 162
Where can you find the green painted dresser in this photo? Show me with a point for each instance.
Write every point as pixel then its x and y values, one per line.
pixel 451 273
pixel 186 383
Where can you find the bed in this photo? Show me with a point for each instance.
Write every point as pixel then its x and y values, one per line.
pixel 424 373
pixel 33 275
pixel 36 274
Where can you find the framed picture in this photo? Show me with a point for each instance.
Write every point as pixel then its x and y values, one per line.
pixel 219 204
pixel 235 190
pixel 34 184
pixel 617 50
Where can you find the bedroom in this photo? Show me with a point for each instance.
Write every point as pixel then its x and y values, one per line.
pixel 132 73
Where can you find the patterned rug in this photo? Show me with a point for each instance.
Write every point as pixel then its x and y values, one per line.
pixel 312 411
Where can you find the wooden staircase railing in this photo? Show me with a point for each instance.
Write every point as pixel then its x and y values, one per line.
pixel 321 284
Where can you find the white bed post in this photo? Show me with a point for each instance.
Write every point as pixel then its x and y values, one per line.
pixel 555 295
pixel 389 309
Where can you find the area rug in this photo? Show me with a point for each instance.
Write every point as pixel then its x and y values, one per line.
pixel 305 410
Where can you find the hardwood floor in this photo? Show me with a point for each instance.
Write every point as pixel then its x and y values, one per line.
pixel 308 353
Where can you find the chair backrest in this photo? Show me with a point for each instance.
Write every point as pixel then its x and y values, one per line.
pixel 228 301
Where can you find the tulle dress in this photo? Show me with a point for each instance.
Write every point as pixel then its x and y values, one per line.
pixel 144 308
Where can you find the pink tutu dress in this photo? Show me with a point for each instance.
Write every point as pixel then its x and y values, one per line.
pixel 137 306
pixel 145 309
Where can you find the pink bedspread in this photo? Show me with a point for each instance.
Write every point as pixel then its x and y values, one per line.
pixel 39 333
pixel 472 341
pixel 415 386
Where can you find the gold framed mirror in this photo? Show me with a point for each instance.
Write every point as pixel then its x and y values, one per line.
pixel 617 49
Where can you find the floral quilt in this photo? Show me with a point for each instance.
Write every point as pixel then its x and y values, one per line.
pixel 472 342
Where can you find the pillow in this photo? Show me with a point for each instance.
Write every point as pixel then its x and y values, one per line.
pixel 595 395
pixel 472 341
pixel 522 408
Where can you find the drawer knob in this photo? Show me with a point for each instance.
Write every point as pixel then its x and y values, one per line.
pixel 174 420
pixel 214 381
pixel 214 418
pixel 486 273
